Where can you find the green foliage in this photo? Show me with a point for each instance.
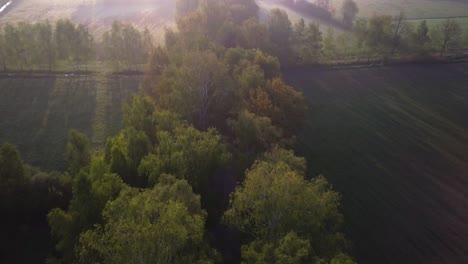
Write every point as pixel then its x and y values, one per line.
pixel 126 47
pixel 78 151
pixel 290 249
pixel 198 88
pixel 281 103
pixel 275 200
pixel 74 43
pixel 447 36
pixel 276 155
pixel 330 49
pixel 253 135
pixel 140 116
pixel 379 34
pixel 125 152
pixel 12 171
pixel 91 192
pixel 162 225
pixel 281 33
pixel 189 154
pixel 349 11
pixel 254 35
pixel 421 37
pixel 307 42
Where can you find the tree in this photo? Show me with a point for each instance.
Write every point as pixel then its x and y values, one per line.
pixel 73 42
pixel 379 34
pixel 287 109
pixel 275 202
pixel 78 151
pixel 281 34
pixel 126 47
pixel 421 37
pixel 45 47
pixel 276 155
pixel 3 55
pixel 140 115
pixel 198 88
pixel 185 7
pixel 290 249
pixel 254 35
pixel 189 154
pixel 400 32
pixel 15 47
pixel 161 225
pixel 447 35
pixel 242 10
pixel 253 135
pixel 125 152
pixel 325 4
pixel 330 49
pixel 349 11
pixel 12 171
pixel 307 42
pixel 91 191
pixel 158 61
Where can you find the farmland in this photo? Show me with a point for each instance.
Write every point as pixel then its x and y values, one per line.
pixel 393 141
pixel 38 111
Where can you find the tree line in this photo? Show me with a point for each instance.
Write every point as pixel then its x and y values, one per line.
pixel 43 46
pixel 122 48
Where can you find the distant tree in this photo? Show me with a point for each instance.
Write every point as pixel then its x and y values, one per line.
pixel 325 4
pixel 45 46
pixel 379 34
pixel 126 47
pixel 12 171
pixel 78 151
pixel 289 219
pixel 330 49
pixel 185 7
pixel 400 32
pixel 465 40
pixel 421 37
pixel 158 61
pixel 349 11
pixel 307 42
pixel 447 35
pixel 242 10
pixel 15 46
pixel 281 33
pixel 3 55
pixel 162 225
pixel 74 43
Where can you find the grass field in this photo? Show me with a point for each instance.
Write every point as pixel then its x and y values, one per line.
pixel 37 112
pixel 433 11
pixel 394 142
pixel 412 8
